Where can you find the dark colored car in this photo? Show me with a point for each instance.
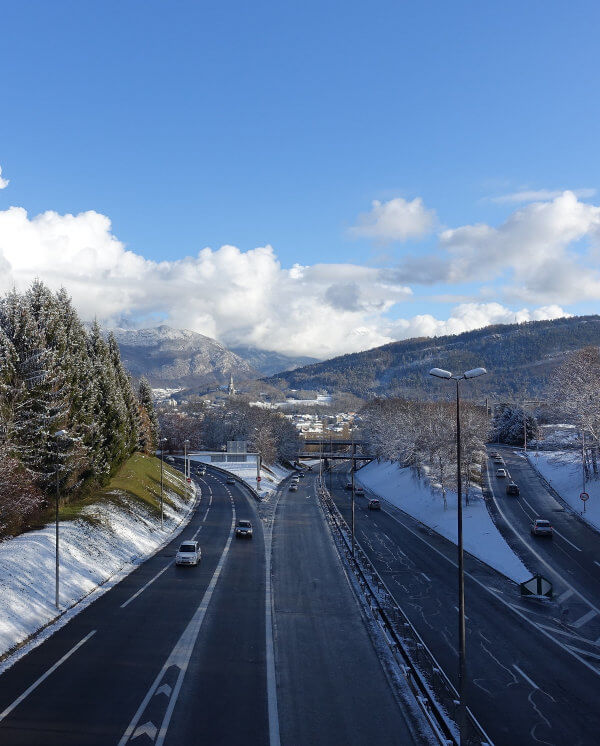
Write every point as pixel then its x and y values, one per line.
pixel 374 505
pixel 243 530
pixel 512 489
pixel 230 480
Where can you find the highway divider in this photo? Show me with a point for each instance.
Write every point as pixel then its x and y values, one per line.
pixel 434 692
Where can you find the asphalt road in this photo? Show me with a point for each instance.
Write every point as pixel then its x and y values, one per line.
pixel 332 687
pixel 526 684
pixel 570 559
pixel 141 651
pixel 175 655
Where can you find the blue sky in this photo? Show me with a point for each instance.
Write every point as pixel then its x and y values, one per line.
pixel 193 125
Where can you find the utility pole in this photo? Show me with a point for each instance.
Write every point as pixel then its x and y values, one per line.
pixel 58 435
pixel 162 446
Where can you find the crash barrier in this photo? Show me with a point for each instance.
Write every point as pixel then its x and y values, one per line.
pixel 235 476
pixel 434 692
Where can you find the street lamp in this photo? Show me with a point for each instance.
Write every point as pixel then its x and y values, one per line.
pixel 58 435
pixel 186 466
pixel 162 448
pixel 445 374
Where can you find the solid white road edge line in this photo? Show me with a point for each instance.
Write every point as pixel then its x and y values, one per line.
pixel 554 573
pixel 181 653
pixel 564 538
pixel 520 614
pixel 44 676
pixel 272 708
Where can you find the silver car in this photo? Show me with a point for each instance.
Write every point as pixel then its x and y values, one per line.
pixel 189 553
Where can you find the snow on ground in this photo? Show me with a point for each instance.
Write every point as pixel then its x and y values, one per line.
pixel 117 539
pixel 563 470
pixel 270 475
pixel 403 488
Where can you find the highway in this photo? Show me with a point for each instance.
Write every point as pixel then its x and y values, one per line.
pixel 527 682
pixel 175 655
pixel 570 559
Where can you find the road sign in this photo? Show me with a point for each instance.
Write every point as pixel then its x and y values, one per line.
pixel 258 479
pixel 189 479
pixel 584 496
pixel 537 586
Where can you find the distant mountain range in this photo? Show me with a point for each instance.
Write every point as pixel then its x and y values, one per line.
pixel 178 358
pixel 520 358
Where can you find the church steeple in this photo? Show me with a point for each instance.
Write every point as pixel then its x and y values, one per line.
pixel 231 389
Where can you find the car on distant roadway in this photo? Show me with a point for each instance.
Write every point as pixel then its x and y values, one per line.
pixel 302 475
pixel 170 459
pixel 541 527
pixel 293 487
pixel 498 460
pixel 374 505
pixel 230 480
pixel 243 530
pixel 202 472
pixel 348 485
pixel 189 553
pixel 359 490
pixel 501 473
pixel 512 489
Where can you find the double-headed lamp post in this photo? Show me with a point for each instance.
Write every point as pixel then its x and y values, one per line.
pixel 162 448
pixel 58 436
pixel 445 374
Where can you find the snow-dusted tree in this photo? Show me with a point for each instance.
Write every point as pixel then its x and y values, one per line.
pixel 19 497
pixel 575 392
pixel 149 427
pixel 508 425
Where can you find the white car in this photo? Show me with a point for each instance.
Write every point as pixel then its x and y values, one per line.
pixel 541 527
pixel 189 553
pixel 501 473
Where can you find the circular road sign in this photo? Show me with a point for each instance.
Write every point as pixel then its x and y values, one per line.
pixel 584 496
pixel 258 479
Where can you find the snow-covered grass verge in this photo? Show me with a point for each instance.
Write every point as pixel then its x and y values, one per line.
pixel 562 469
pixel 403 488
pixel 107 541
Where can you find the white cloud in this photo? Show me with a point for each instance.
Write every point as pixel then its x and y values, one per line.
pixel 236 296
pixel 468 316
pixel 3 182
pixel 540 195
pixel 247 297
pixel 395 220
pixel 536 254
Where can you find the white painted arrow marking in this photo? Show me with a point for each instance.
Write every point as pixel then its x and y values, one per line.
pixel 164 689
pixel 147 729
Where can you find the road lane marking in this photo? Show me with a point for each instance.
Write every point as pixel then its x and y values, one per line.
pixel 207 509
pixel 272 708
pixel 597 563
pixel 44 676
pixel 565 595
pixel 520 614
pixel 143 588
pixel 554 573
pixel 524 675
pixel 585 619
pixel 564 538
pixel 182 652
pixel 585 652
pixel 426 577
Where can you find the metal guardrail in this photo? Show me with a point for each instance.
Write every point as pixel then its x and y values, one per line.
pixel 432 689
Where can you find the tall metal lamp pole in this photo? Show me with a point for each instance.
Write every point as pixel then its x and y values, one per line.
pixel 462 663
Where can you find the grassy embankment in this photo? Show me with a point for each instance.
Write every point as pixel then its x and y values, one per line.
pixel 138 479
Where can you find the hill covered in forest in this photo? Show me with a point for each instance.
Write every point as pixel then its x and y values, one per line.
pixel 520 359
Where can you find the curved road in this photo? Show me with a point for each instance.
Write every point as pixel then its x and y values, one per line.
pixel 176 655
pixel 524 683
